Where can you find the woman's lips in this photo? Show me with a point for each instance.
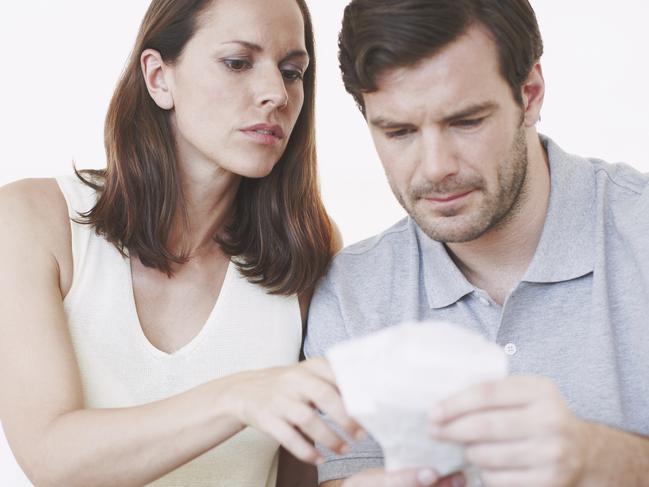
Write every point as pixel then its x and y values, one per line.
pixel 262 138
pixel 265 134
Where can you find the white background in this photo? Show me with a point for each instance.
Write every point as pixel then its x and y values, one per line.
pixel 61 60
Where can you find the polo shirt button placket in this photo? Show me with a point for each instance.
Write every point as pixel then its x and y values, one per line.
pixel 510 349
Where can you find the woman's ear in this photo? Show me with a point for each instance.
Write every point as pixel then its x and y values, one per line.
pixel 156 76
pixel 533 92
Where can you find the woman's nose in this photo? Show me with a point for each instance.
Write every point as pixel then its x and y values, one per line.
pixel 272 91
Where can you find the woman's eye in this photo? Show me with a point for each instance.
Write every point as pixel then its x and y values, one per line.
pixel 236 64
pixel 292 74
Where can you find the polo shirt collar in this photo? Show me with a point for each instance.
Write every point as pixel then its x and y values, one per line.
pixel 444 282
pixel 566 247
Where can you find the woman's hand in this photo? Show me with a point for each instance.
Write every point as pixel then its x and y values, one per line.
pixel 284 402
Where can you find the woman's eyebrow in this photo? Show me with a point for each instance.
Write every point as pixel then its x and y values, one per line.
pixel 257 48
pixel 250 45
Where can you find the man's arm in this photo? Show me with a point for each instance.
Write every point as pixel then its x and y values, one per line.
pixel 332 483
pixel 405 478
pixel 326 328
pixel 616 458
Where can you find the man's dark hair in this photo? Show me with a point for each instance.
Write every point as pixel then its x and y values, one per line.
pixel 380 35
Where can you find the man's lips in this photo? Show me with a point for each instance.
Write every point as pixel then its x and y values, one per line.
pixel 448 198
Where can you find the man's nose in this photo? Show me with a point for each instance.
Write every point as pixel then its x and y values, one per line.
pixel 437 157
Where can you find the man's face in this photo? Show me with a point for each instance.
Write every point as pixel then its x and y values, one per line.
pixel 451 139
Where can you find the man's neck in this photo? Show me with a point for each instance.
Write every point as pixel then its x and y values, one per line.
pixel 497 261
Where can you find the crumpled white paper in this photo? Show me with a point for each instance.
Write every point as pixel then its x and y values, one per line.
pixel 390 379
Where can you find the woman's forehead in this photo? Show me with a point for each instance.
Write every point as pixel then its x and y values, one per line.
pixel 267 23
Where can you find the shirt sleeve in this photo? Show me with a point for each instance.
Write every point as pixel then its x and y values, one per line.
pixel 326 327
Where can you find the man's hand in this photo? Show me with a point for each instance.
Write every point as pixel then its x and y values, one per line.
pixel 404 478
pixel 518 431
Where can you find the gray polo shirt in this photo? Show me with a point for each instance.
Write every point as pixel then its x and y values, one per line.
pixel 580 315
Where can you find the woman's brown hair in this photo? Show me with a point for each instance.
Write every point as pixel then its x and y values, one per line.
pixel 280 232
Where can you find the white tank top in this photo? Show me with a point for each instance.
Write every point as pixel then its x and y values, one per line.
pixel 247 329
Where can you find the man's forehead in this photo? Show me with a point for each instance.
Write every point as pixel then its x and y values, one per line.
pixel 464 73
pixel 473 52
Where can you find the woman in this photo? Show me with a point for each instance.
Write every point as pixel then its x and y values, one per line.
pixel 149 311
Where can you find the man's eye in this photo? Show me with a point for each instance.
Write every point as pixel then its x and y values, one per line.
pixel 292 74
pixel 398 134
pixel 236 64
pixel 468 123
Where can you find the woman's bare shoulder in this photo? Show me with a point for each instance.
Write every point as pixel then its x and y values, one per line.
pixel 34 201
pixel 35 214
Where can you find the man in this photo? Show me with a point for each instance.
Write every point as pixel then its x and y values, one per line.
pixel 541 251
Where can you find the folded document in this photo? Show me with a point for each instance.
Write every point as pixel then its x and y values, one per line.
pixel 390 379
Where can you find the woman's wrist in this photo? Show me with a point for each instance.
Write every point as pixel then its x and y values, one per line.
pixel 228 404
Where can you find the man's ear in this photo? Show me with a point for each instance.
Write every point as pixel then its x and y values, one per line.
pixel 533 92
pixel 156 76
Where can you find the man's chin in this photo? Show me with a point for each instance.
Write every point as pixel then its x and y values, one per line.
pixel 445 230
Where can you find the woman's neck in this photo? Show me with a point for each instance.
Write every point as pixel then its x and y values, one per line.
pixel 208 193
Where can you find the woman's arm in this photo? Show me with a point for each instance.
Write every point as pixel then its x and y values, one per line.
pixel 57 441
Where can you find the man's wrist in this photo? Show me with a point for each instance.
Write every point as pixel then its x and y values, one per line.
pixel 591 438
pixel 614 457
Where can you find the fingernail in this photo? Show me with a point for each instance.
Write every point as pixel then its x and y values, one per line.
pixel 426 477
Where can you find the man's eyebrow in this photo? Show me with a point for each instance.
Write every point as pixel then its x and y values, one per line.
pixel 257 48
pixel 387 124
pixel 470 111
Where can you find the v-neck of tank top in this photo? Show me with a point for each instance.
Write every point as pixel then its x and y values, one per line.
pixel 190 346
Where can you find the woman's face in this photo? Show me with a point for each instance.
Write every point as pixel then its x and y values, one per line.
pixel 237 87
